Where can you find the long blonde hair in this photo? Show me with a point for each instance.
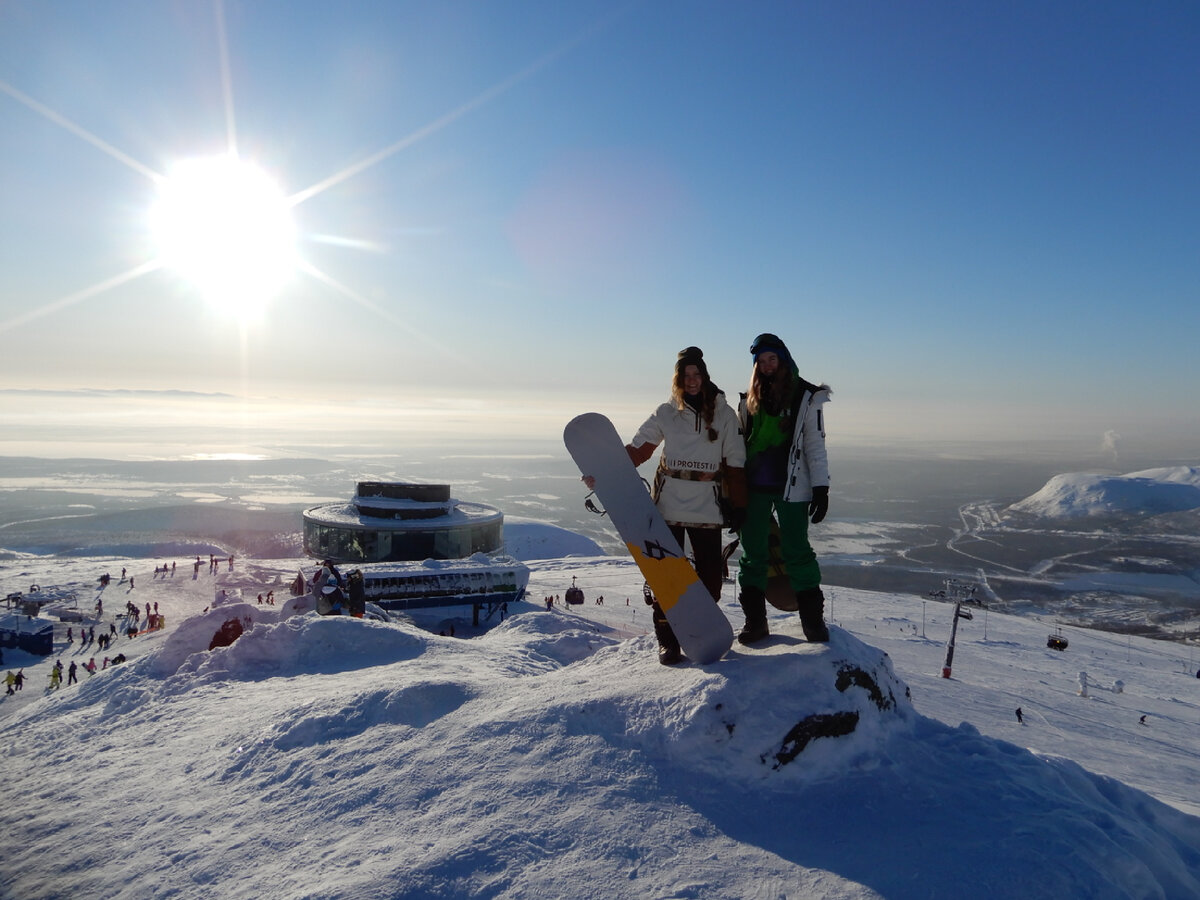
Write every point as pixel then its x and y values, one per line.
pixel 771 395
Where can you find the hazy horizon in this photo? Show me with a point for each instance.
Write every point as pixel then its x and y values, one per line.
pixel 147 424
pixel 129 462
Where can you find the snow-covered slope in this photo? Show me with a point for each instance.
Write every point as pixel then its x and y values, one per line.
pixel 552 756
pixel 1149 492
pixel 526 540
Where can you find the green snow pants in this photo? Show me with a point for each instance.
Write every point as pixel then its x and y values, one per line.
pixel 798 556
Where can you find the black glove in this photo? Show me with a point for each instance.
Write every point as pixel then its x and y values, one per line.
pixel 819 504
pixel 737 518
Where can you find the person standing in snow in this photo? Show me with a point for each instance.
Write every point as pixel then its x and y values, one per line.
pixel 327 586
pixel 702 445
pixel 787 475
pixel 356 591
pixel 330 601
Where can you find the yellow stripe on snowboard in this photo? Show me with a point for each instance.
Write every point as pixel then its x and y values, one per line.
pixel 673 575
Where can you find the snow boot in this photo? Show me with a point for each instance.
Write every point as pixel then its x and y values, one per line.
pixel 669 653
pixel 754 605
pixel 811 606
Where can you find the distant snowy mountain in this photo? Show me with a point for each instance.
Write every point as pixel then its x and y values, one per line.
pixel 1149 492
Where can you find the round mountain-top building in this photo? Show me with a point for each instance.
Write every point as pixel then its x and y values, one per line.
pixel 396 521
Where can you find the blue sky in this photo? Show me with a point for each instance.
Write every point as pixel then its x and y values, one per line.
pixel 972 220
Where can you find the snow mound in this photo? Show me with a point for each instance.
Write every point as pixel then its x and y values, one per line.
pixel 294 640
pixel 548 757
pixel 1149 492
pixel 718 725
pixel 526 540
pixel 547 642
pixel 298 645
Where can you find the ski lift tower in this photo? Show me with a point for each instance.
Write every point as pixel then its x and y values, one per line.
pixel 960 592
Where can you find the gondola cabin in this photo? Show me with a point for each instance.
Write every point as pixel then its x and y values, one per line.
pixel 574 595
pixel 1056 641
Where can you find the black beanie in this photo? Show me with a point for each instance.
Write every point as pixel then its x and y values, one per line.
pixel 691 356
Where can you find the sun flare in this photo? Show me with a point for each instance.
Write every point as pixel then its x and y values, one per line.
pixel 226 228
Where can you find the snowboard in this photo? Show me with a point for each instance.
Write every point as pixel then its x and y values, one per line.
pixel 779 587
pixel 703 631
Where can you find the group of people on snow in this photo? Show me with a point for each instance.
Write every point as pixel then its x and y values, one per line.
pixel 338 596
pixel 59 676
pixel 742 470
pixel 15 682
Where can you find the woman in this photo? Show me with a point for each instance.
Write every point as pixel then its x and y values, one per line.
pixel 702 447
pixel 787 474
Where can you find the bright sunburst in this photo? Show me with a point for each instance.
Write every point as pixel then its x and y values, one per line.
pixel 223 225
pixel 226 228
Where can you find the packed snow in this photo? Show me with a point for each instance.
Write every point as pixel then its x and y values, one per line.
pixel 550 755
pixel 1080 495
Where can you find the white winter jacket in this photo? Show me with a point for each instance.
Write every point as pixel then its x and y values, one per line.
pixel 688 495
pixel 808 464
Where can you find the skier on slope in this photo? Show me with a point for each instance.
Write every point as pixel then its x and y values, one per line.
pixel 787 472
pixel 701 447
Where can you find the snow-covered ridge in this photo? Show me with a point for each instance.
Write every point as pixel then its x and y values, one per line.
pixel 551 755
pixel 1148 492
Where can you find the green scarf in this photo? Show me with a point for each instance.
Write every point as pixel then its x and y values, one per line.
pixel 766 431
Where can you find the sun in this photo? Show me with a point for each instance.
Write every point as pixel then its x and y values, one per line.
pixel 225 227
